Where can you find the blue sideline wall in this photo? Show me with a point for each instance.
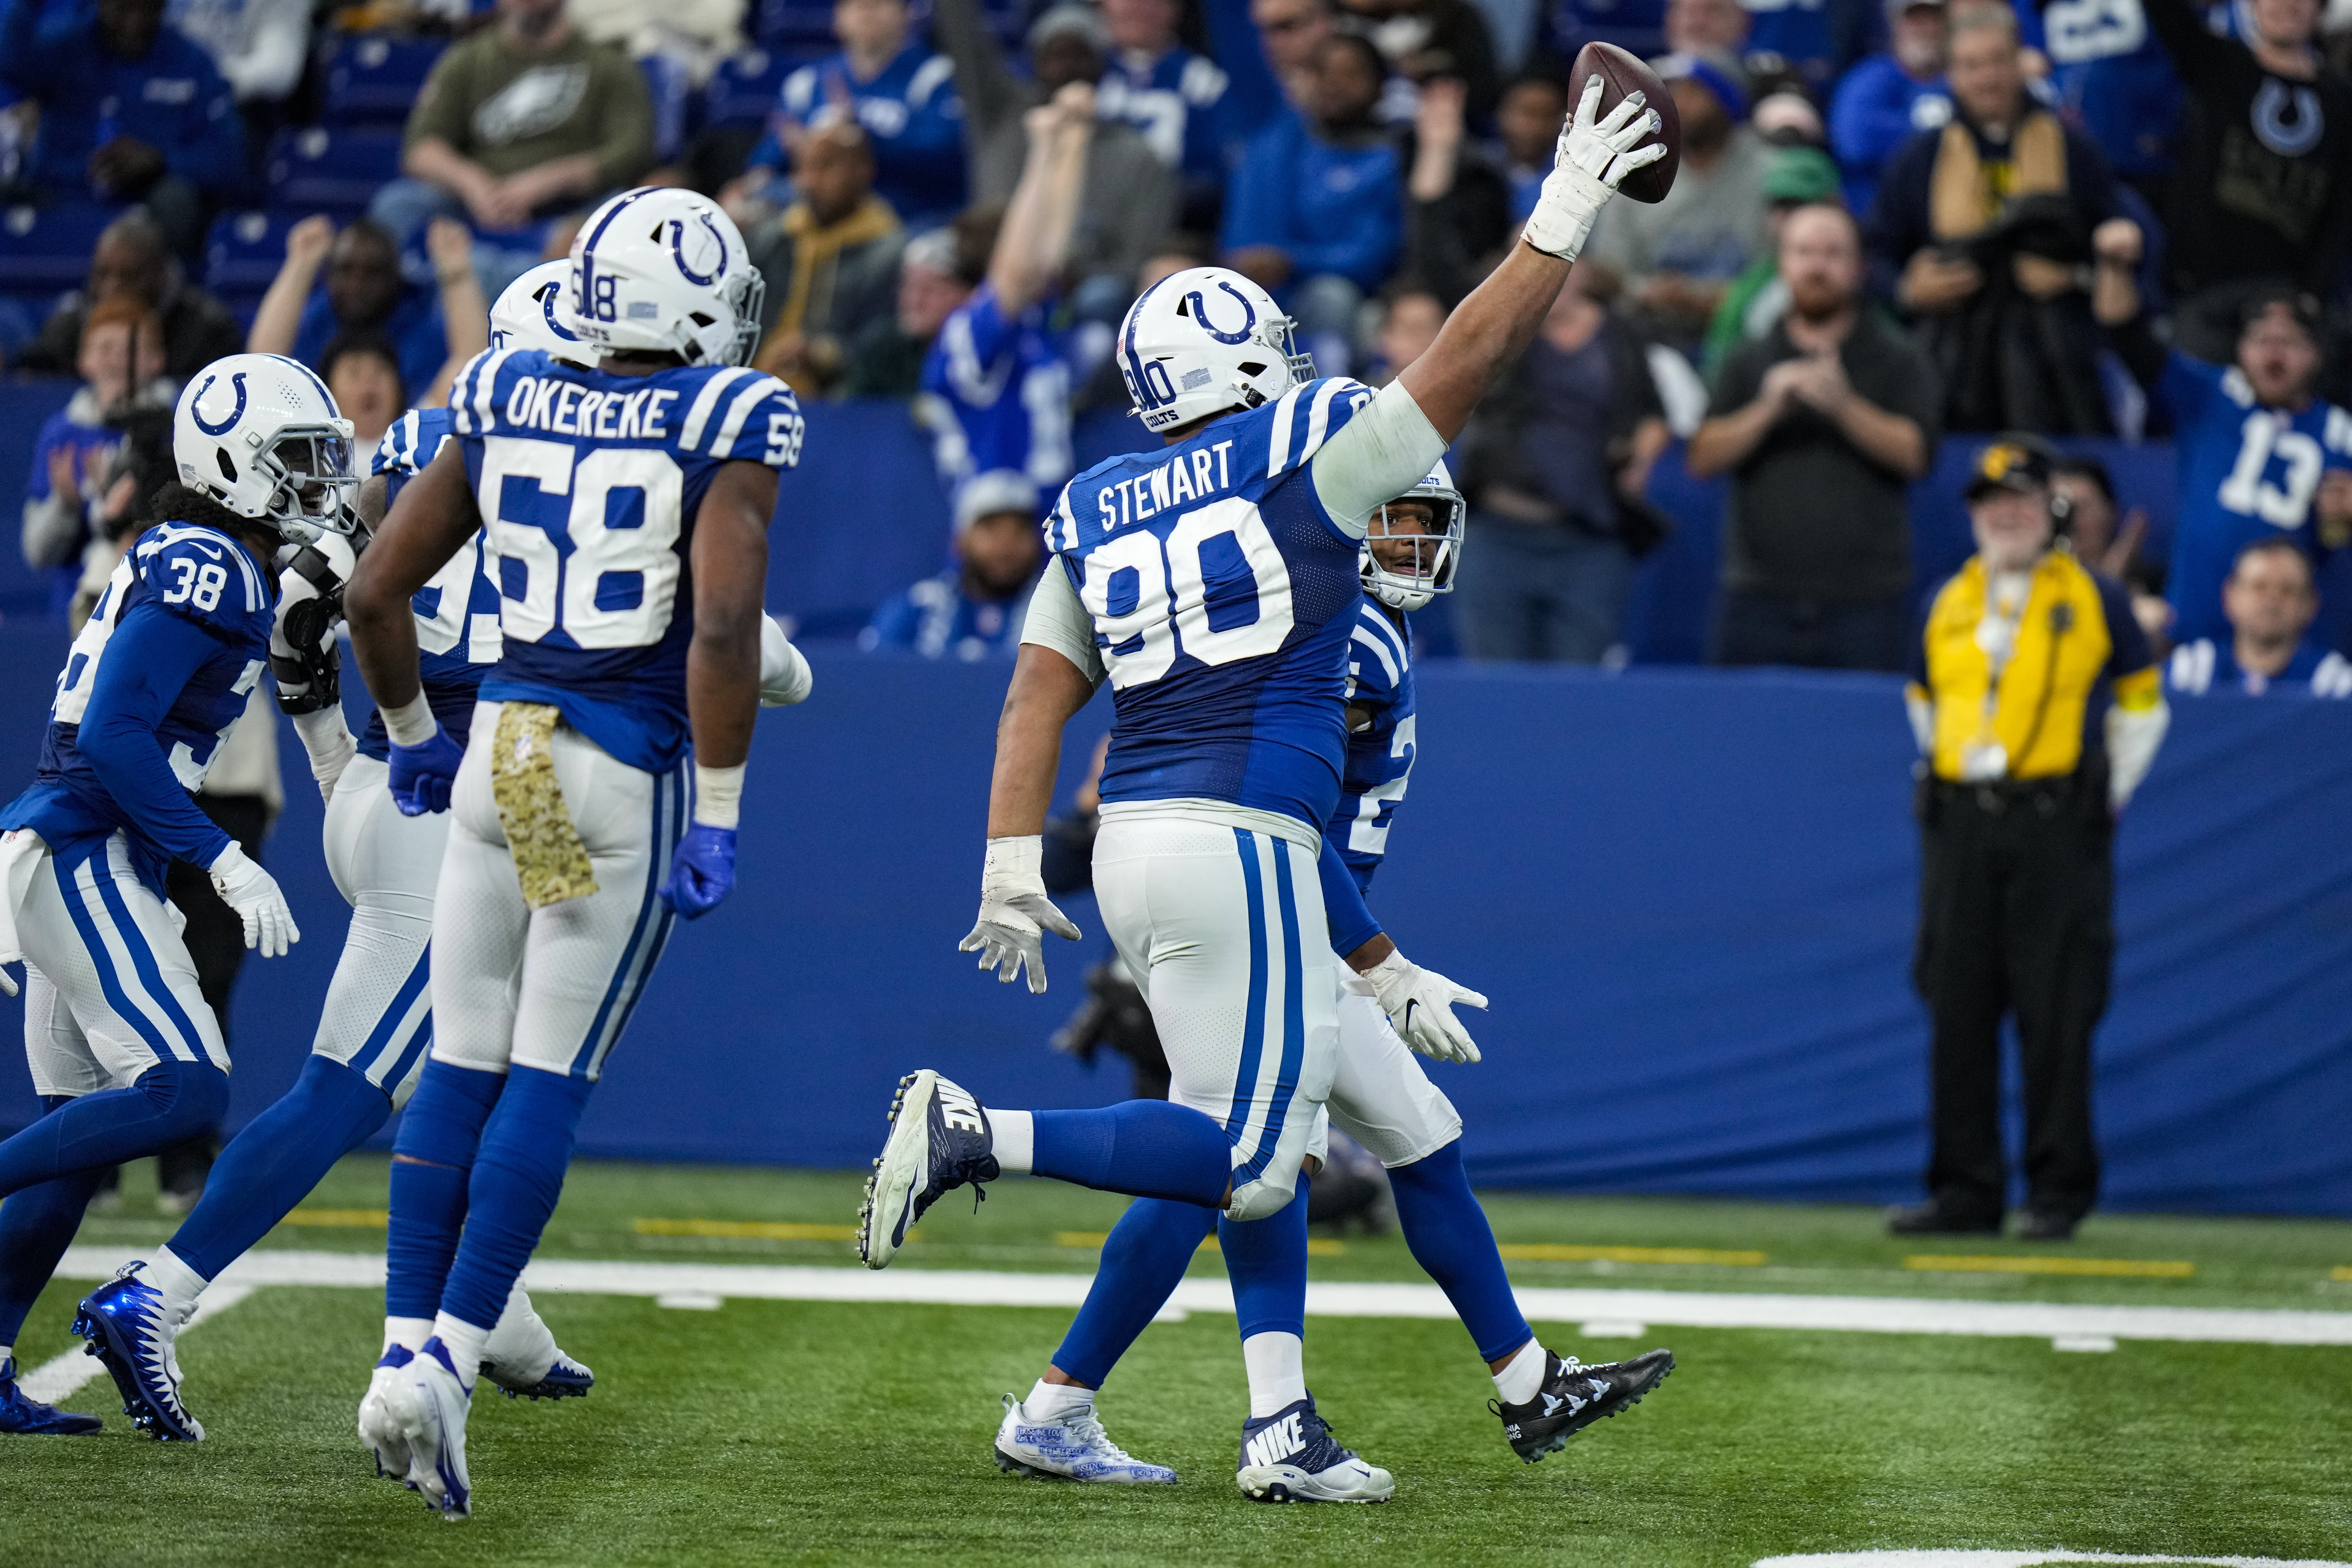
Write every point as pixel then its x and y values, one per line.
pixel 1690 894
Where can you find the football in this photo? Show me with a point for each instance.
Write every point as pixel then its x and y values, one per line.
pixel 1622 73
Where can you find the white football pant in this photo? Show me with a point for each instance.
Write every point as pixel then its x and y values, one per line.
pixel 1224 928
pixel 550 988
pixel 378 1017
pixel 1380 1095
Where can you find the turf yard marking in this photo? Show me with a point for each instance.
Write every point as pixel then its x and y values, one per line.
pixel 1613 1328
pixel 750 1230
pixel 2089 1343
pixel 2340 1272
pixel 354 1218
pixel 1094 1241
pixel 2132 1267
pixel 1679 1309
pixel 690 1300
pixel 62 1376
pixel 1550 1252
pixel 1982 1559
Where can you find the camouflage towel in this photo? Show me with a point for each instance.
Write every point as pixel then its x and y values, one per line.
pixel 549 860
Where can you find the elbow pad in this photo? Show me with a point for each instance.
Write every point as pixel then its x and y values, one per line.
pixel 303 652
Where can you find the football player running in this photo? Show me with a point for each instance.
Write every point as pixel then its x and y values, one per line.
pixel 628 505
pixel 1215 585
pixel 125 1054
pixel 1380 1095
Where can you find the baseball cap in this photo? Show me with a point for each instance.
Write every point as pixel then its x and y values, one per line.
pixel 2019 463
pixel 1067 18
pixel 997 491
pixel 1800 174
pixel 1719 74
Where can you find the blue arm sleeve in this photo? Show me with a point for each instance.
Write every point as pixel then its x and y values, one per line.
pixel 1253 202
pixel 1344 909
pixel 1252 98
pixel 1869 118
pixel 149 660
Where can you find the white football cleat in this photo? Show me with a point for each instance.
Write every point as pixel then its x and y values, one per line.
pixel 1075 1448
pixel 523 1359
pixel 380 1427
pixel 430 1403
pixel 1291 1456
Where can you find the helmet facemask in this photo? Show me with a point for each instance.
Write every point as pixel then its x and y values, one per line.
pixel 312 480
pixel 1410 547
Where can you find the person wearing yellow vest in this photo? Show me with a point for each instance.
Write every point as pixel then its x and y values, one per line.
pixel 2038 710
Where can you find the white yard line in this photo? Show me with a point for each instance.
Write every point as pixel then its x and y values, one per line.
pixel 1604 1309
pixel 62 1376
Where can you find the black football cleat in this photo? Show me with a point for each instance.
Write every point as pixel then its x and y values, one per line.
pixel 939 1140
pixel 1935 1219
pixel 1574 1395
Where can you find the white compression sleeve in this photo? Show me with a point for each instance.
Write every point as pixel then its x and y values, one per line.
pixel 412 723
pixel 2133 736
pixel 1384 451
pixel 1056 619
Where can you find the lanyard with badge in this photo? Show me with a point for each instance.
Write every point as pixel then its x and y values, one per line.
pixel 1985 757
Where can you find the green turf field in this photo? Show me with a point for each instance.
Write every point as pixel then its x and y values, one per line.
pixel 794 1431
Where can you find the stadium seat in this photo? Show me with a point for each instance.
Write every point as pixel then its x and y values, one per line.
pixel 744 89
pixel 337 171
pixel 372 82
pixel 244 252
pixel 46 250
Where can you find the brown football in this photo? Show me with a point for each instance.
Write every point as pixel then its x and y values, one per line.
pixel 1622 73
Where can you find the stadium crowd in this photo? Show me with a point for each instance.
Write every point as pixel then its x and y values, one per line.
pixel 1899 224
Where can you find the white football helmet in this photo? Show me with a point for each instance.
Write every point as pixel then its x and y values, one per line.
pixel 657 270
pixel 1204 341
pixel 261 435
pixel 1436 546
pixel 530 314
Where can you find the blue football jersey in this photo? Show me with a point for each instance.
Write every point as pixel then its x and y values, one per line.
pixel 997 395
pixel 458 611
pixel 1176 100
pixel 1380 740
pixel 589 484
pixel 1222 595
pixel 193 574
pixel 2246 473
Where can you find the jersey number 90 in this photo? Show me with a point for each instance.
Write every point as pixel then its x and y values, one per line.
pixel 621 510
pixel 1216 587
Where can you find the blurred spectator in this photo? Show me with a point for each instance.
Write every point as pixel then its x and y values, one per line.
pixel 2259 454
pixel 128 113
pixel 1787 118
pixel 2108 543
pixel 905 97
pixel 519 122
pixel 1421 39
pixel 2112 76
pixel 1291 32
pixel 73 466
pixel 694 34
pixel 1527 123
pixel 1757 299
pixel 1790 34
pixel 937 273
pixel 830 261
pixel 431 333
pixel 1887 98
pixel 131 261
pixel 1175 97
pixel 1458 217
pixel 1129 203
pixel 2264 190
pixel 1669 263
pixel 1707 27
pixel 996 391
pixel 1983 230
pixel 1553 467
pixel 2271 599
pixel 258 46
pixel 1411 315
pixel 972 610
pixel 1315 210
pixel 362 369
pixel 1822 423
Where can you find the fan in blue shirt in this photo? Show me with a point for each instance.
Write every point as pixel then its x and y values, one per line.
pixel 973 609
pixel 2271 600
pixel 1175 97
pixel 1887 98
pixel 2112 75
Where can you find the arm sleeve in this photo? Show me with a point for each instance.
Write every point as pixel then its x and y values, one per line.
pixel 2142 355
pixel 1866 121
pixel 1350 918
pixel 2132 735
pixel 1057 621
pixel 990 91
pixel 1252 96
pixel 1385 450
pixel 2200 57
pixel 1253 200
pixel 150 660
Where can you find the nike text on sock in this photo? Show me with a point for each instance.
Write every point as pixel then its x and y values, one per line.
pixel 1053 1401
pixel 1015 1141
pixel 1278 1372
pixel 408 1333
pixel 464 1343
pixel 1523 1374
pixel 180 1284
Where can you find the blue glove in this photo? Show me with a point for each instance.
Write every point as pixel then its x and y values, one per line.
pixel 702 873
pixel 422 775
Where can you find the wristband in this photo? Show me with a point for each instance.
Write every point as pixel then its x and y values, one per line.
pixel 719 795
pixel 412 723
pixel 1565 210
pixel 1016 863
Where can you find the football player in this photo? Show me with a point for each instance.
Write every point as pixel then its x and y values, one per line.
pixel 1215 585
pixel 1380 1095
pixel 628 506
pixel 125 1054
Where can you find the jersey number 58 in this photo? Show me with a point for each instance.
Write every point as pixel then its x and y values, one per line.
pixel 619 507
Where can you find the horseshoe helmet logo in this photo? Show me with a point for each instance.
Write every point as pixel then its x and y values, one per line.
pixel 2287 119
pixel 197 406
pixel 1200 317
pixel 678 251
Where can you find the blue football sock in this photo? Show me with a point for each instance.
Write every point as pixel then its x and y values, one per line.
pixel 275 1161
pixel 171 1101
pixel 1266 1260
pixel 518 1176
pixel 1147 1148
pixel 36 1226
pixel 439 1136
pixel 1145 1256
pixel 1450 1238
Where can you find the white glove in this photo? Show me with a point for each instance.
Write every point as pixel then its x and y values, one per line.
pixel 1593 156
pixel 253 893
pixel 329 741
pixel 1015 913
pixel 784 676
pixel 1420 1003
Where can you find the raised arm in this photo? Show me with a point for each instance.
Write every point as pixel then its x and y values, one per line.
pixel 465 314
pixel 280 317
pixel 1033 244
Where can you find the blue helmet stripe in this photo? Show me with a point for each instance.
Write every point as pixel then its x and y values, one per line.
pixel 1134 365
pixel 588 249
pixel 313 376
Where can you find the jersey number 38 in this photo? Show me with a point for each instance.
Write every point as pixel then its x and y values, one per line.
pixel 1215 588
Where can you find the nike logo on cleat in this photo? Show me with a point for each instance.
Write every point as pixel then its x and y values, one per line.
pixel 1276 1443
pixel 958 1110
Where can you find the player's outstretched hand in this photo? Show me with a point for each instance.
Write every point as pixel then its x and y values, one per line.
pixel 422 776
pixel 1016 913
pixel 702 871
pixel 254 894
pixel 1596 153
pixel 1420 1003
